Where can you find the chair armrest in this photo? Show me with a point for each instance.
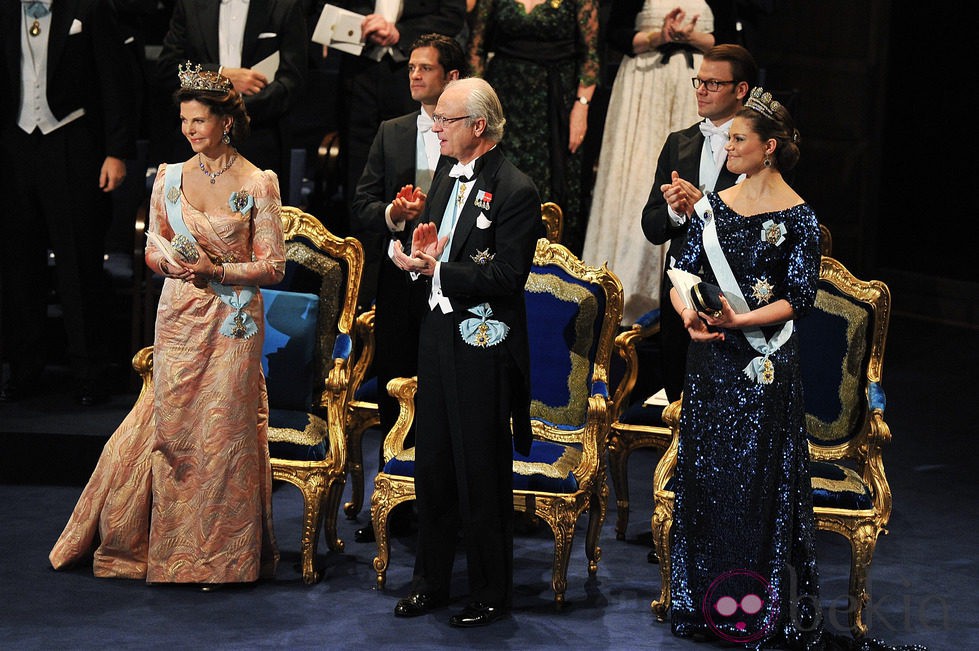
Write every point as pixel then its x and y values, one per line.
pixel 364 339
pixel 876 397
pixel 403 389
pixel 143 365
pixel 667 463
pixel 342 347
pixel 625 345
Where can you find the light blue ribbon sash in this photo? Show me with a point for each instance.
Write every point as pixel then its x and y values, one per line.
pixel 760 369
pixel 238 325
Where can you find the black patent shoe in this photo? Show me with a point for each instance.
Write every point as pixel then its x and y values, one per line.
pixel 365 534
pixel 417 604
pixel 477 614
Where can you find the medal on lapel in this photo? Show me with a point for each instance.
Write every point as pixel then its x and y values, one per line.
pixel 483 200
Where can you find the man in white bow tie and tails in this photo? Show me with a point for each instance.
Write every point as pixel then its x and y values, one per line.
pixel 472 250
pixel 692 162
pixel 390 195
pixel 67 125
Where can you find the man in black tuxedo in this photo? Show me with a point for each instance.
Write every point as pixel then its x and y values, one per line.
pixel 205 32
pixel 372 84
pixel 391 193
pixel 68 120
pixel 473 247
pixel 692 162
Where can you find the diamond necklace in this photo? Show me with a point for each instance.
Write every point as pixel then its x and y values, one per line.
pixel 214 175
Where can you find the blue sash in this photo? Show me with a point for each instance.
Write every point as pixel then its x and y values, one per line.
pixel 238 324
pixel 760 369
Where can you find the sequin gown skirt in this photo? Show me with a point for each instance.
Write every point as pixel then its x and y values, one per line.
pixel 650 99
pixel 182 490
pixel 743 519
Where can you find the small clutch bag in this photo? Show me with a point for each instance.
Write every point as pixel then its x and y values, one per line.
pixel 185 248
pixel 706 298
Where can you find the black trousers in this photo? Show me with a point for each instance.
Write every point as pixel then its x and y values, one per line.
pixel 463 463
pixel 53 201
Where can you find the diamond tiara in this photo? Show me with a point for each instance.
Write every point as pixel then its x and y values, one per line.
pixel 762 101
pixel 193 78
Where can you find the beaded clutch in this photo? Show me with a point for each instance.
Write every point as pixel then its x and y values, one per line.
pixel 706 298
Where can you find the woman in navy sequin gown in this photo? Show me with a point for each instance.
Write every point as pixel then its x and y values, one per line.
pixel 743 559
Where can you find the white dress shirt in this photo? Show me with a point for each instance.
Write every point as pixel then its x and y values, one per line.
pixel 232 16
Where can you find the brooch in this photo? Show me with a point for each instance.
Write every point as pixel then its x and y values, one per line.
pixel 773 233
pixel 482 257
pixel 241 201
pixel 483 199
pixel 173 194
pixel 483 331
pixel 762 291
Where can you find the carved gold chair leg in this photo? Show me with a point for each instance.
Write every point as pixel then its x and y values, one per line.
pixel 618 457
pixel 331 504
pixel 563 530
pixel 596 520
pixel 312 492
pixel 661 524
pixel 383 501
pixel 862 544
pixel 360 422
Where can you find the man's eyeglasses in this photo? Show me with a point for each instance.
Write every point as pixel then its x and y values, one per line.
pixel 712 84
pixel 441 120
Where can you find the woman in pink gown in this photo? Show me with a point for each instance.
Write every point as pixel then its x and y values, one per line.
pixel 182 491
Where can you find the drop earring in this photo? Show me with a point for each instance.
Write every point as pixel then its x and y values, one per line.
pixel 226 139
pixel 768 160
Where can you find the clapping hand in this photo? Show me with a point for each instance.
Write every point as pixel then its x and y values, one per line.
pixel 426 247
pixel 680 194
pixel 408 204
pixel 674 27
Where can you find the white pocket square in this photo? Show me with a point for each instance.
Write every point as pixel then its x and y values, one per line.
pixel 482 221
pixel 267 35
pixel 76 27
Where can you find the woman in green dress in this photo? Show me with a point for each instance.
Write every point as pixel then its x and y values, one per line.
pixel 544 68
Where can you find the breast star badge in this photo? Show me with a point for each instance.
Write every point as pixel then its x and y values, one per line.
pixel 762 291
pixel 482 257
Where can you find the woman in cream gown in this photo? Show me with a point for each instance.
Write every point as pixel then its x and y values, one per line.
pixel 651 97
pixel 182 490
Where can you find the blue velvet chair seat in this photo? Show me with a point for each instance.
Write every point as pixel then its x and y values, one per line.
pixel 547 469
pixel 837 487
pixel 639 414
pixel 297 435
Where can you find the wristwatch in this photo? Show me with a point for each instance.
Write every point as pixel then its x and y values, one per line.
pixel 583 100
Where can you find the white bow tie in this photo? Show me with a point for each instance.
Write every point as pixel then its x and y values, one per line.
pixel 462 170
pixel 424 122
pixel 710 130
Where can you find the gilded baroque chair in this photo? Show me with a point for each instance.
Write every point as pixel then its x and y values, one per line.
pixel 309 364
pixel 573 313
pixel 363 408
pixel 842 351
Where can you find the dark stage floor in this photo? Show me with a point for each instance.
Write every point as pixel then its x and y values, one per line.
pixel 923 583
